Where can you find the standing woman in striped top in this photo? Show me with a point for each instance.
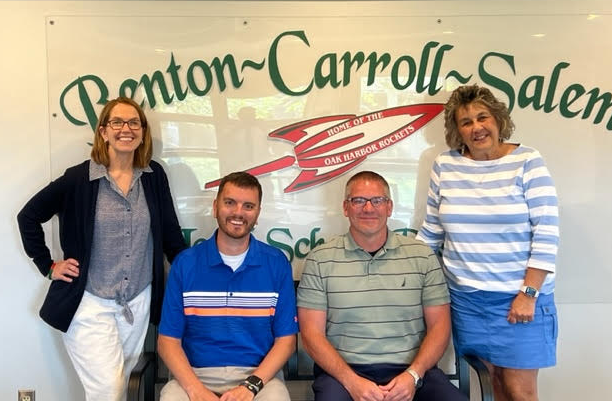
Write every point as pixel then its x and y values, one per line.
pixel 492 206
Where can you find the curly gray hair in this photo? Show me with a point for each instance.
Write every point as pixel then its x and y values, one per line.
pixel 465 95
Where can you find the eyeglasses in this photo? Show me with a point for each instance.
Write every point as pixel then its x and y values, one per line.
pixel 117 124
pixel 360 201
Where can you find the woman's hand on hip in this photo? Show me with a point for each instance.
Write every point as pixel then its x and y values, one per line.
pixel 65 270
pixel 522 309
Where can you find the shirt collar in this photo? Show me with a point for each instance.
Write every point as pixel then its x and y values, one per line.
pixel 391 243
pixel 252 258
pixel 97 171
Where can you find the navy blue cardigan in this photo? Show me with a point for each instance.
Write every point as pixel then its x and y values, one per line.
pixel 73 198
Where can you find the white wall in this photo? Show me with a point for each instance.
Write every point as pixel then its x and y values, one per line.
pixel 32 353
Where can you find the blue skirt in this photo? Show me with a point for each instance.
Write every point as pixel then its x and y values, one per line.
pixel 481 328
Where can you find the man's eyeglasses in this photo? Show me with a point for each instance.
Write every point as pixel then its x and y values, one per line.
pixel 360 201
pixel 117 124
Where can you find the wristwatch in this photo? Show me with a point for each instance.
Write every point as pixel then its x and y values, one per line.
pixel 253 383
pixel 529 291
pixel 418 382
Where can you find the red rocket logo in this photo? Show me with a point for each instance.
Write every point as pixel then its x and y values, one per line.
pixel 327 147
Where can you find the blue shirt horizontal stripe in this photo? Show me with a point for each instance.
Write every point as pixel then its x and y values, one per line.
pixel 485 219
pixel 475 169
pixel 539 182
pixel 471 184
pixel 488 257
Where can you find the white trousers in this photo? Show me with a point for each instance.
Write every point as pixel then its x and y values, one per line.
pixel 104 347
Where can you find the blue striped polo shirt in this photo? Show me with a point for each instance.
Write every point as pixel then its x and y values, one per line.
pixel 227 318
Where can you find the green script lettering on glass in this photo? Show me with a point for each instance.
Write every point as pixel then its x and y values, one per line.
pixel 571 94
pixel 606 101
pixel 302 246
pixel 279 244
pixel 273 69
pixel 495 81
pixel 333 70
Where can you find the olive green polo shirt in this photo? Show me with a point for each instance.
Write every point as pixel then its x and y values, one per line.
pixel 374 305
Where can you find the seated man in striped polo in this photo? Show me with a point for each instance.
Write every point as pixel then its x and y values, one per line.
pixel 229 318
pixel 373 307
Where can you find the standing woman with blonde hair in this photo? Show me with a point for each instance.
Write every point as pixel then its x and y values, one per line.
pixel 116 221
pixel 493 206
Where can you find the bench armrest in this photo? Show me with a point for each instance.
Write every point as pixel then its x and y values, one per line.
pixel 484 377
pixel 143 375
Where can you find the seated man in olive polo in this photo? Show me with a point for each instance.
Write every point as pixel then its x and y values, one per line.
pixel 373 307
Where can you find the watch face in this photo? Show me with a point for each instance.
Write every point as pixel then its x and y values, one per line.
pixel 530 291
pixel 256 381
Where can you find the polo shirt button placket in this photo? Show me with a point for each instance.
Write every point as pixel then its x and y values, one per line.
pixel 228 305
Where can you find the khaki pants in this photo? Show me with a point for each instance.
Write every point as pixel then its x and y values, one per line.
pixel 221 379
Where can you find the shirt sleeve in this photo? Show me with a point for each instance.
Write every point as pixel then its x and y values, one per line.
pixel 432 232
pixel 435 290
pixel 172 322
pixel 38 210
pixel 311 291
pixel 541 199
pixel 285 316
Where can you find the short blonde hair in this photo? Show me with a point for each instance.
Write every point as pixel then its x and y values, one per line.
pixel 144 152
pixel 473 94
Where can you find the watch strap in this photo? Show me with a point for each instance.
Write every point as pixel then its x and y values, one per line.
pixel 50 274
pixel 251 387
pixel 418 382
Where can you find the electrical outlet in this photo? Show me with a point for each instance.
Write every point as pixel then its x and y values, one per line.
pixel 26 395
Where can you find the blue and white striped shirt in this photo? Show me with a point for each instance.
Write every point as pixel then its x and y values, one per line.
pixel 496 218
